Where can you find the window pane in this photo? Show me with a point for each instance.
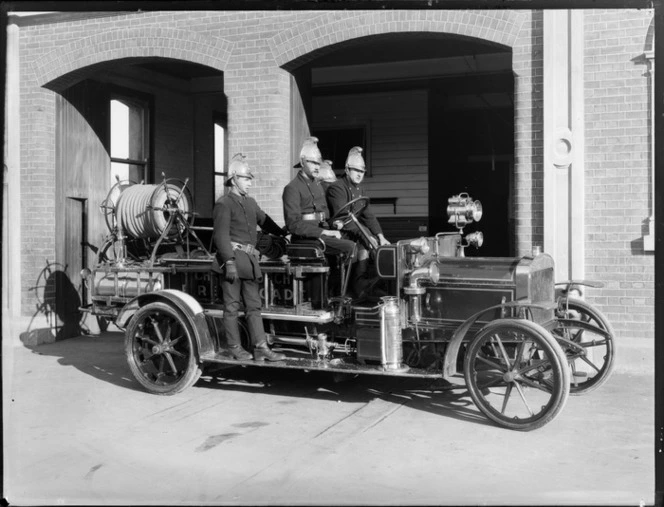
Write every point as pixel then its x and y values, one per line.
pixel 128 134
pixel 119 129
pixel 219 160
pixel 218 148
pixel 136 133
pixel 335 144
pixel 126 172
pixel 120 171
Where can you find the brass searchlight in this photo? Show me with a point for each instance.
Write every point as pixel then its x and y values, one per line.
pixel 463 210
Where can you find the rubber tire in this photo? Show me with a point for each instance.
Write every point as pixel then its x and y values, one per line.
pixel 546 341
pixel 192 369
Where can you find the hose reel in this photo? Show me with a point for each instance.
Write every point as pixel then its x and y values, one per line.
pixel 108 205
pixel 145 211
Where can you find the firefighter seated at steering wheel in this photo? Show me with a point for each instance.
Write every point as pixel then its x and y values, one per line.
pixel 306 212
pixel 352 214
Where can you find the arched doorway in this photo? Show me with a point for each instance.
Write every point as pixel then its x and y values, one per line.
pixel 435 114
pixel 142 119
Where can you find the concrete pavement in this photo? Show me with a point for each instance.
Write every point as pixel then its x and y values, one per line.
pixel 79 430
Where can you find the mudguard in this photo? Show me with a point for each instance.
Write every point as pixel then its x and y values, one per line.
pixel 452 351
pixel 187 305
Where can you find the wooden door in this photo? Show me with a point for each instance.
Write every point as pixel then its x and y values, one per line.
pixel 69 291
pixel 82 183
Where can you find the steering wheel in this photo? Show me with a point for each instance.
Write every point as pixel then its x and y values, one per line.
pixel 346 214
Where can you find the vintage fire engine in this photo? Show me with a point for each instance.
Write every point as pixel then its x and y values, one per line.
pixel 522 344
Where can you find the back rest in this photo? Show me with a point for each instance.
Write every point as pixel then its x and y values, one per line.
pixel 306 252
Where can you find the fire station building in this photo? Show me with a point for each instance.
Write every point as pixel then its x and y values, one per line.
pixel 545 116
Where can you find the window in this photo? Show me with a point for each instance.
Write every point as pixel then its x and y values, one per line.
pixel 129 139
pixel 219 157
pixel 335 143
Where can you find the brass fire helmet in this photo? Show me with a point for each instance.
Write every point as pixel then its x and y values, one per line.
pixel 355 159
pixel 326 173
pixel 310 151
pixel 238 167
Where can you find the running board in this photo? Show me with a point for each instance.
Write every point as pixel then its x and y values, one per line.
pixel 314 316
pixel 337 365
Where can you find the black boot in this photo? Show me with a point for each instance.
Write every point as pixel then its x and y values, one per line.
pixel 359 281
pixel 239 353
pixel 263 353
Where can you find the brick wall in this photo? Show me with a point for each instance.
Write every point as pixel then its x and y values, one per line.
pixel 617 93
pixel 527 62
pixel 251 48
pixel 255 50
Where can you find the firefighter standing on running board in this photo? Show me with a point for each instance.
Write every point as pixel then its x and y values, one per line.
pixel 235 218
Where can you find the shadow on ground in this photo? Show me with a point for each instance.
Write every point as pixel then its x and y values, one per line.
pixel 433 396
pixel 102 357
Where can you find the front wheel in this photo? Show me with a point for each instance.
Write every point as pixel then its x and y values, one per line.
pixel 160 350
pixel 517 374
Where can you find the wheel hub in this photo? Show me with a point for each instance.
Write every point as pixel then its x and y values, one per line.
pixel 509 376
pixel 160 349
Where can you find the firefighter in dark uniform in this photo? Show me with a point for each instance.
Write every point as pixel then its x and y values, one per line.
pixel 305 206
pixel 235 218
pixel 339 193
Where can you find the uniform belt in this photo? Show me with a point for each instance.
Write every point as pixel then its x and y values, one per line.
pixel 249 249
pixel 319 216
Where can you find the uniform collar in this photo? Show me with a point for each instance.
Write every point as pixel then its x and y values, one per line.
pixel 237 197
pixel 306 178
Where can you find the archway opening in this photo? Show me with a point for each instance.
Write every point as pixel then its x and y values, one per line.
pixel 435 113
pixel 139 119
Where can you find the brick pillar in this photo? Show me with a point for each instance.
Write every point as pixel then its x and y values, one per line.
pixel 527 66
pixel 259 123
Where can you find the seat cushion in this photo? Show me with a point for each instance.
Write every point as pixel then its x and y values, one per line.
pixel 306 250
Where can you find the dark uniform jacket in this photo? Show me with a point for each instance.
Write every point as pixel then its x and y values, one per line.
pixel 343 191
pixel 235 219
pixel 302 196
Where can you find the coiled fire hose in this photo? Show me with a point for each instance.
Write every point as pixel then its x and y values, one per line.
pixel 142 210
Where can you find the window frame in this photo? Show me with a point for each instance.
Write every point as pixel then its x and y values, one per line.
pixel 320 132
pixel 220 119
pixel 146 101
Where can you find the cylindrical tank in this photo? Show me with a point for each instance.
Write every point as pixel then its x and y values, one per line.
pixel 126 285
pixel 392 347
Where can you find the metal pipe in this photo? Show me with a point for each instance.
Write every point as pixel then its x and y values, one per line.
pixel 304 342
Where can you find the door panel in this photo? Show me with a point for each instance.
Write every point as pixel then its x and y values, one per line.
pixel 82 181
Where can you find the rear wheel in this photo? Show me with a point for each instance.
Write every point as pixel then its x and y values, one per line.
pixel 160 350
pixel 590 346
pixel 517 374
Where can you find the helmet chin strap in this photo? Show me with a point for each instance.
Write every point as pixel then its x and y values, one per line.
pixel 237 189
